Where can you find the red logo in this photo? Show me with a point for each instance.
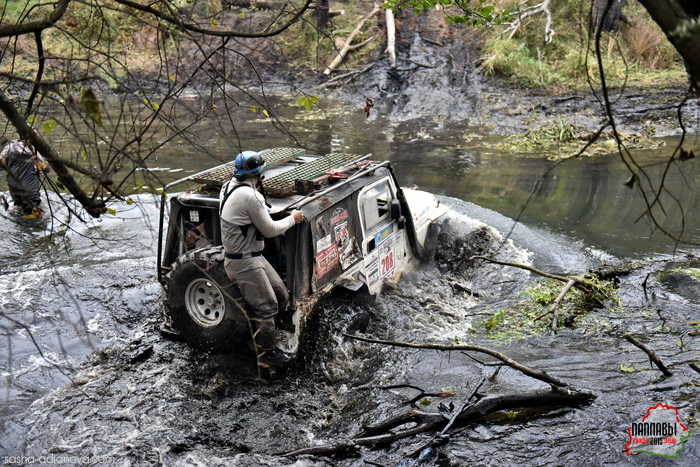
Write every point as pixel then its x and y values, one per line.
pixel 660 433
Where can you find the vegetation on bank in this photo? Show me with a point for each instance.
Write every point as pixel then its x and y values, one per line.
pixel 561 139
pixel 638 54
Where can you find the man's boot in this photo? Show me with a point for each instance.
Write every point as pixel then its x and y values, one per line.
pixel 268 353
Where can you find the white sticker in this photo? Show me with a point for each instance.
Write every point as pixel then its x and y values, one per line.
pixel 386 258
pixel 372 267
pixel 323 243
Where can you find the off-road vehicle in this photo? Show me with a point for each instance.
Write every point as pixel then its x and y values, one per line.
pixel 360 229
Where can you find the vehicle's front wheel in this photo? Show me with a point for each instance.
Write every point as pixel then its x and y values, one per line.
pixel 203 304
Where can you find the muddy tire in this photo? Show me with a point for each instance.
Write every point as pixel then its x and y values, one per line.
pixel 203 304
pixel 430 244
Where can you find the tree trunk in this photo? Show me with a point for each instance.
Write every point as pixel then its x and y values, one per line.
pixel 678 19
pixel 321 14
pixel 610 21
pixel 391 37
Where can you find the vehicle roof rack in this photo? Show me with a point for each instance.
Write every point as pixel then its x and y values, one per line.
pixel 286 183
pixel 302 179
pixel 223 173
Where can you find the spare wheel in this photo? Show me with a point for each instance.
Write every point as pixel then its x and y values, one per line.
pixel 205 306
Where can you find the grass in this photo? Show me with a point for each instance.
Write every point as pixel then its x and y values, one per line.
pixel 520 321
pixel 638 54
pixel 560 138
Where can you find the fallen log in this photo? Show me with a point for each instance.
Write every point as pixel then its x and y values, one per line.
pixel 337 80
pixel 376 435
pixel 391 37
pixel 346 47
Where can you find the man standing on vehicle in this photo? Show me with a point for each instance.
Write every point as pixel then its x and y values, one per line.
pixel 245 223
pixel 23 163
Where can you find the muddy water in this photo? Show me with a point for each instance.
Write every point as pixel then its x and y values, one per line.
pixel 106 384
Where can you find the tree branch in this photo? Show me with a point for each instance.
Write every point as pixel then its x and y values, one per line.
pixel 581 285
pixel 9 30
pixel 93 207
pixel 346 47
pixel 540 375
pixel 173 19
pixel 650 353
pixel 429 421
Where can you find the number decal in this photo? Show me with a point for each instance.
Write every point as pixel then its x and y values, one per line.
pixel 387 263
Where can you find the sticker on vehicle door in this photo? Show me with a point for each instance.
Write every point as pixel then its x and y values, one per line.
pixel 386 258
pixel 372 268
pixel 383 234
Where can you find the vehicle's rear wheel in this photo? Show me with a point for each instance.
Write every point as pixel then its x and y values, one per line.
pixel 203 304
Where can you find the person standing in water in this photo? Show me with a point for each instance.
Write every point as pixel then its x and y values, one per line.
pixel 23 165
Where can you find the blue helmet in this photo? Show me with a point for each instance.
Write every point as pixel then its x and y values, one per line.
pixel 249 164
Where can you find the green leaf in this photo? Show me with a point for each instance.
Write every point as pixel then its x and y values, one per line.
pixel 626 369
pixel 266 113
pixel 83 154
pixel 241 15
pixel 129 201
pixel 155 106
pixel 31 120
pixel 304 102
pixel 213 23
pixel 111 211
pixel 425 401
pixel 172 78
pixel 254 109
pixel 48 124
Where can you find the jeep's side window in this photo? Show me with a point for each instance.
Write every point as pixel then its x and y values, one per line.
pixel 375 204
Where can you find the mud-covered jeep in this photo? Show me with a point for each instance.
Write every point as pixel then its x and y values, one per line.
pixel 360 229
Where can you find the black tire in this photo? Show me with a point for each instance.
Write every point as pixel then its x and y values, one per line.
pixel 203 304
pixel 430 244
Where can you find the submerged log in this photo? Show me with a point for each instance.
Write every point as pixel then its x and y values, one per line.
pixel 379 434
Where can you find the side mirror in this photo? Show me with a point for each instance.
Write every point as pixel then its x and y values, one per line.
pixel 395 208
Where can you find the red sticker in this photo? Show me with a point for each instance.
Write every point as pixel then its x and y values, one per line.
pixel 326 260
